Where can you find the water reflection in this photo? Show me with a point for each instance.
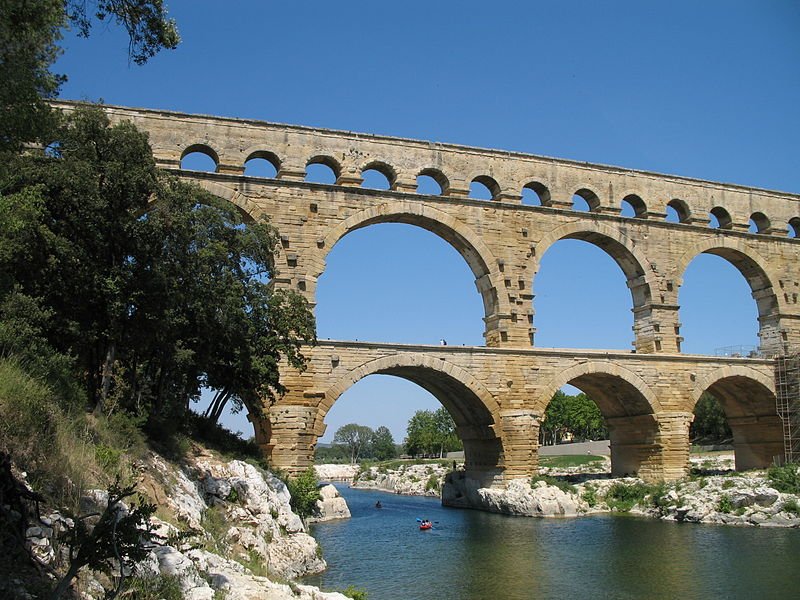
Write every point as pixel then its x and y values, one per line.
pixel 472 555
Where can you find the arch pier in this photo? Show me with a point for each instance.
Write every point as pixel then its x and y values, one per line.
pixel 497 394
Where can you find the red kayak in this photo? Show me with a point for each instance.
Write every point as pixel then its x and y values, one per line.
pixel 424 526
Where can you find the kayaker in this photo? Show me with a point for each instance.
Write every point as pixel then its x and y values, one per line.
pixel 378 504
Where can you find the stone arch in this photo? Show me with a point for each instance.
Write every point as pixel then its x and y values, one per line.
pixel 245 204
pixel 635 266
pixel 630 409
pixel 682 210
pixel 754 268
pixel 637 204
pixel 328 161
pixel 541 190
pixel 724 219
pixel 590 196
pixel 604 371
pixel 439 177
pixel 747 396
pixel 761 222
pixel 267 155
pixel 474 409
pixel 465 241
pixel 384 169
pixel 201 148
pixel 490 183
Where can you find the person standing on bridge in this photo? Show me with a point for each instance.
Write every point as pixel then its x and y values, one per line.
pixel 443 342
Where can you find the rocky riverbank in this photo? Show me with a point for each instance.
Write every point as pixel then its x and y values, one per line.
pixel 246 544
pixel 406 479
pixel 714 493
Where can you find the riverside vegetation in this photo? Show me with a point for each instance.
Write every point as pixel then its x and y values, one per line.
pixel 123 293
pixel 579 485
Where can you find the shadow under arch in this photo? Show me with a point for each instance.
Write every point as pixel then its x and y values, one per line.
pixel 473 408
pixel 622 250
pixel 465 241
pixel 754 269
pixel 748 398
pixel 628 406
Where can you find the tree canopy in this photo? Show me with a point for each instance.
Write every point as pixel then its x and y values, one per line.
pixel 571 417
pixel 710 425
pixel 153 287
pixel 432 432
pixel 29 34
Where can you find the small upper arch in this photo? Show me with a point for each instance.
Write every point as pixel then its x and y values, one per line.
pixel 536 193
pixel 331 169
pixel 759 223
pixel 428 178
pixel 794 228
pixel 591 199
pixel 198 151
pixel 720 218
pixel 634 206
pixel 484 187
pixel 262 163
pixel 678 211
pixel 384 169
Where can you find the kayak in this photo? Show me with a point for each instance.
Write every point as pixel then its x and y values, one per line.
pixel 424 526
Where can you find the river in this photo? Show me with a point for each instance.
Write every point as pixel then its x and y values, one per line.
pixel 471 555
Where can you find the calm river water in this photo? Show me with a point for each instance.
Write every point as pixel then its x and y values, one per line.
pixel 472 555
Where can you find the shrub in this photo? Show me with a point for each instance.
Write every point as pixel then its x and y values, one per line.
pixel 161 587
pixel 624 497
pixel 215 523
pixel 562 484
pixel 590 495
pixel 353 592
pixel 658 496
pixel 785 478
pixel 791 506
pixel 304 492
pixel 432 483
pixel 724 505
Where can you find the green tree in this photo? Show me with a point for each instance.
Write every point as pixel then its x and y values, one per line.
pixel 710 424
pixel 382 444
pixel 153 286
pixel 30 31
pixel 431 432
pixel 304 492
pixel 576 416
pixel 420 433
pixel 356 438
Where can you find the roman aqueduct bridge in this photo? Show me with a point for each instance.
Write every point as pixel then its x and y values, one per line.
pixel 497 394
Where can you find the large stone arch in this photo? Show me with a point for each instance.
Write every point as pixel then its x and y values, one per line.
pixel 630 409
pixel 754 268
pixel 634 265
pixel 747 396
pixel 603 370
pixel 464 240
pixel 475 410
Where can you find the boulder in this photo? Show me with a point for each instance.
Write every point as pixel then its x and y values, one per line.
pixel 330 506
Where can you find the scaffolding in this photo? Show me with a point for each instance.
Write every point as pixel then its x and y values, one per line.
pixel 787 395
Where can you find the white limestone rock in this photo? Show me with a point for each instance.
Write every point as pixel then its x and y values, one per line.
pixel 330 506
pixel 332 472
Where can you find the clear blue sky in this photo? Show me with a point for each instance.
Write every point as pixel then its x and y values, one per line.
pixel 705 89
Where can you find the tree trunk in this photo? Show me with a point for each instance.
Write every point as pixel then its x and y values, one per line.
pixel 108 367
